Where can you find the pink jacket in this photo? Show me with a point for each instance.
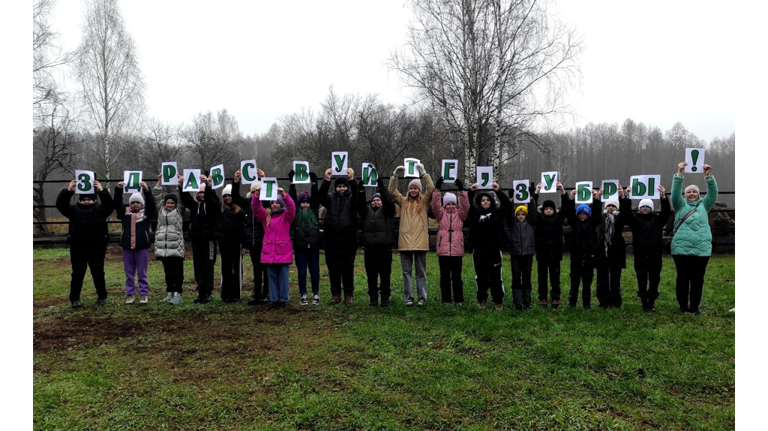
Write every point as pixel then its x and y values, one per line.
pixel 277 235
pixel 450 238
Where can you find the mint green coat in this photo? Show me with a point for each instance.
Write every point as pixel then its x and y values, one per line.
pixel 694 238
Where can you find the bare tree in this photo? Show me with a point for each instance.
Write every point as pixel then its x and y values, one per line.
pixel 47 56
pixel 483 66
pixel 214 139
pixel 53 151
pixel 112 84
pixel 159 142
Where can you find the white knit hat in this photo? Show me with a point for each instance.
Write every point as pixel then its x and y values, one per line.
pixel 254 186
pixel 646 203
pixel 449 198
pixel 136 197
pixel 614 203
pixel 227 190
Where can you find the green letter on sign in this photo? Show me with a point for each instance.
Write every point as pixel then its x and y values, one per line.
pixel 191 183
pixel 133 182
pixel 448 168
pixel 217 177
pixel 484 177
pixel 169 172
pixel 301 173
pixel 522 192
pixel 339 162
pixel 84 184
pixel 370 176
pixel 638 188
pixel 610 189
pixel 246 174
pixel 584 192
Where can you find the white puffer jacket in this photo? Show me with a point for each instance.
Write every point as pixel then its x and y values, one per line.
pixel 169 238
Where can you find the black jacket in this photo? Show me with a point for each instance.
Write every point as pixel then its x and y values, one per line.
pixel 253 230
pixel 647 229
pixel 141 235
pixel 378 224
pixel 306 231
pixel 584 235
pixel 87 223
pixel 486 229
pixel 522 235
pixel 549 233
pixel 616 254
pixel 229 227
pixel 340 225
pixel 202 215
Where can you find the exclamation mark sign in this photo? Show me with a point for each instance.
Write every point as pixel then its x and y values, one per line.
pixel 694 158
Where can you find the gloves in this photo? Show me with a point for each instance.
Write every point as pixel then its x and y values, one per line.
pixel 291 174
pixel 380 183
pixel 312 177
pixel 459 184
pixel 439 183
pixel 421 169
pixel 398 170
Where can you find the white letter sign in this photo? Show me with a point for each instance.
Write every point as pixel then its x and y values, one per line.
pixel 268 189
pixel 301 172
pixel 584 192
pixel 411 171
pixel 370 176
pixel 645 186
pixel 549 182
pixel 339 163
pixel 169 171
pixel 248 173
pixel 450 170
pixel 484 177
pixel 85 181
pixel 191 180
pixel 132 180
pixel 521 194
pixel 610 190
pixel 695 159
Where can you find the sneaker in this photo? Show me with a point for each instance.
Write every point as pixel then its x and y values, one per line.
pixel 459 304
pixel 169 297
pixel 129 299
pixel 316 300
pixel 498 307
pixel 176 299
pixel 265 299
pixel 77 304
pixel 274 305
pixel 481 305
pixel 384 302
pixel 349 299
pixel 335 299
pixel 203 299
pixel 144 299
pixel 102 302
pixel 303 300
pixel 282 305
pixel 421 302
pixel 409 303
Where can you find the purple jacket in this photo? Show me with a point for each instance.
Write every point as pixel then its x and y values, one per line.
pixel 277 233
pixel 450 238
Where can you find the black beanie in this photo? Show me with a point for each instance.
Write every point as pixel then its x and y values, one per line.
pixel 87 195
pixel 171 196
pixel 548 204
pixel 342 180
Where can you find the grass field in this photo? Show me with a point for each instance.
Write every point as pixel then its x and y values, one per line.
pixel 231 366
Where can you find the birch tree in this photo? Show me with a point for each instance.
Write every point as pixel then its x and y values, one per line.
pixel 112 84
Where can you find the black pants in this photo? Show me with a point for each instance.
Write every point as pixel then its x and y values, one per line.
pixel 608 289
pixel 260 276
pixel 690 280
pixel 174 273
pixel 204 261
pixel 378 266
pixel 82 258
pixel 648 271
pixel 450 278
pixel 522 268
pixel 488 275
pixel 549 268
pixel 340 259
pixel 231 270
pixel 582 272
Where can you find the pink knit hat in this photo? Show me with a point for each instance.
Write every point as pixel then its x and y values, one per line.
pixel 692 187
pixel 415 182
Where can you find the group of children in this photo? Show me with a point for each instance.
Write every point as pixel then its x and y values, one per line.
pixel 234 224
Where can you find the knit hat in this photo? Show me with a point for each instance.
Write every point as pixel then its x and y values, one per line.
pixel 375 195
pixel 341 181
pixel 303 197
pixel 227 190
pixel 136 197
pixel 548 204
pixel 171 196
pixel 646 203
pixel 449 198
pixel 522 208
pixel 86 195
pixel 614 203
pixel 282 205
pixel 415 182
pixel 254 186
pixel 584 209
pixel 692 187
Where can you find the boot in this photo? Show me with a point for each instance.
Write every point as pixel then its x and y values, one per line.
pixel 349 300
pixel 555 304
pixel 335 299
pixel 253 299
pixel 374 301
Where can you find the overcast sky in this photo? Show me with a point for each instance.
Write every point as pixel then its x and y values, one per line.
pixel 655 62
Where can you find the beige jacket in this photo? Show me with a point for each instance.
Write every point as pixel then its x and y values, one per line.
pixel 414 229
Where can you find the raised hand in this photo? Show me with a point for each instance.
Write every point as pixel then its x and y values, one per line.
pixel 144 186
pixel 121 185
pixel 495 186
pixel 328 173
pixel 439 183
pixel 291 173
pixel 707 169
pixel 473 187
pixel 459 184
pixel 680 167
pixel 421 169
pixel 72 185
pixel 97 185
pixel 350 173
pixel 313 177
pixel 237 176
pixel 398 170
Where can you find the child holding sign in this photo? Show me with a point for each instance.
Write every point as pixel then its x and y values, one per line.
pixel 87 238
pixel 413 240
pixel 229 230
pixel 584 222
pixel 549 245
pixel 277 252
pixel 522 246
pixel 135 239
pixel 647 245
pixel 450 240
pixel 306 238
pixel 169 240
pixel 612 253
pixel 202 218
pixel 377 239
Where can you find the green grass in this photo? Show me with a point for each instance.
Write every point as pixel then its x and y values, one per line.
pixel 231 366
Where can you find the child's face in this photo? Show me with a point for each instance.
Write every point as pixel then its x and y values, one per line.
pixel 645 209
pixel 521 216
pixel 304 205
pixel 610 208
pixel 227 199
pixel 376 202
pixel 451 207
pixel 413 191
pixel 341 188
pixel 135 206
pixel 200 196
pixel 583 216
pixel 170 205
pixel 548 211
pixel 275 205
pixel 485 202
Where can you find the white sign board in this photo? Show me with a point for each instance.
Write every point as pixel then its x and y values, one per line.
pixel 85 181
pixel 549 182
pixel 370 175
pixel 169 171
pixel 610 190
pixel 301 172
pixel 484 177
pixel 248 172
pixel 521 191
pixel 644 186
pixel 583 192
pixel 450 170
pixel 339 163
pixel 217 176
pixel 132 180
pixel 411 171
pixel 191 180
pixel 695 159
pixel 268 189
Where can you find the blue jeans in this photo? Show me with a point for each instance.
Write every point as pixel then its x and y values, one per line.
pixel 311 259
pixel 278 282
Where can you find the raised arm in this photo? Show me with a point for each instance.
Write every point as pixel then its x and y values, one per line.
pixel 711 197
pixel 677 188
pixel 463 205
pixel 149 204
pixel 430 186
pixel 118 203
pixel 324 199
pixel 290 207
pixel 437 207
pixel 387 203
pixel 258 210
pixel 396 196
pixel 663 216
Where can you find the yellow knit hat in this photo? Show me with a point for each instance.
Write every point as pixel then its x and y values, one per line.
pixel 522 208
